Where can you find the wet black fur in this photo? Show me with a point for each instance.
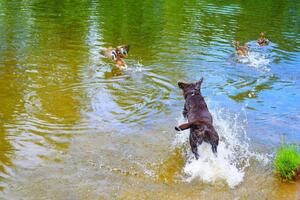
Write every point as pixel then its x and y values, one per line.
pixel 200 120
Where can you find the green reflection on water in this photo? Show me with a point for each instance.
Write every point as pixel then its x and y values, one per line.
pixel 46 47
pixel 253 93
pixel 43 48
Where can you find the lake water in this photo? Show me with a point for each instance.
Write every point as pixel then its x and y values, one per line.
pixel 74 127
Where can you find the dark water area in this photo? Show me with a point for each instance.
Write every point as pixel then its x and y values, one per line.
pixel 73 125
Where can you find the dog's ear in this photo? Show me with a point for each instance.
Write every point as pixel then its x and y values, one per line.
pixel 182 85
pixel 198 84
pixel 183 127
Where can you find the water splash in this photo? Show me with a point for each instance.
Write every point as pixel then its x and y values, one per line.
pixel 260 57
pixel 136 67
pixel 234 152
pixel 211 169
pixel 256 59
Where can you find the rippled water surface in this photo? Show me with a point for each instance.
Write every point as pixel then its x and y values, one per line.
pixel 75 127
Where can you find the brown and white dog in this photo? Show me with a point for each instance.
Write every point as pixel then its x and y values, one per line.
pixel 200 121
pixel 263 41
pixel 241 50
pixel 117 54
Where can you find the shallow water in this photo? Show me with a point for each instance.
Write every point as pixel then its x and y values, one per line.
pixel 74 127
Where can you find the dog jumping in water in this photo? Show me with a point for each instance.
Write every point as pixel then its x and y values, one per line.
pixel 200 121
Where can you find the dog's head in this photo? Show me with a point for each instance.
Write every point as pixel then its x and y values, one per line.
pixel 190 88
pixel 122 51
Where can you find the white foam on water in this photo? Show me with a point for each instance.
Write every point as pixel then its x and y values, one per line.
pixel 257 60
pixel 136 67
pixel 234 152
pixel 210 168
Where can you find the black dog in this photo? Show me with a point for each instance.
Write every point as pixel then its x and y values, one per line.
pixel 199 118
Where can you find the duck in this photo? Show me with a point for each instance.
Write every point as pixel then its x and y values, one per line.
pixel 241 50
pixel 117 54
pixel 262 41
